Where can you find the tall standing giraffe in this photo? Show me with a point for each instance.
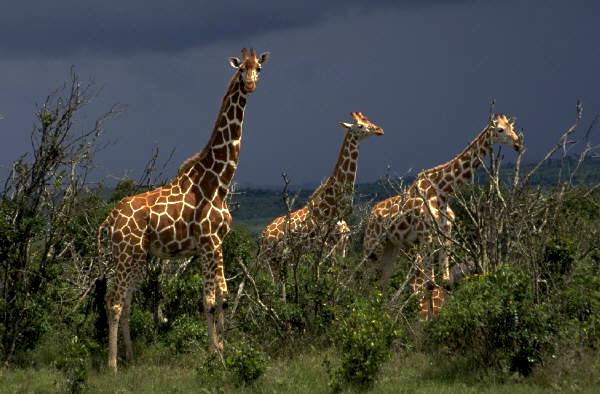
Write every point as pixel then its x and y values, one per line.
pixel 186 217
pixel 322 218
pixel 397 223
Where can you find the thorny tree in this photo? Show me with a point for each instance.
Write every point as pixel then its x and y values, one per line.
pixel 508 218
pixel 43 197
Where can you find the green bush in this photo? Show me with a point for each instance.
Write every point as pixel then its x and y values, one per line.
pixel 187 334
pixel 558 261
pixel 239 243
pixel 183 294
pixel 363 337
pixel 141 324
pixel 579 303
pixel 245 362
pixel 493 321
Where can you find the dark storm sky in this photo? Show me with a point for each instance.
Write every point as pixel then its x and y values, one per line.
pixel 424 70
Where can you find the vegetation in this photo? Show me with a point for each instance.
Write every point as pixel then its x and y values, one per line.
pixel 363 337
pixel 526 320
pixel 493 320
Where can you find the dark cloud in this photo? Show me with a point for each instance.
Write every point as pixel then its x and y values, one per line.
pixel 54 28
pixel 425 73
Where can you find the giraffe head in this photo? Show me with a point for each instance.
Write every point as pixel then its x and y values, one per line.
pixel 362 127
pixel 502 131
pixel 249 67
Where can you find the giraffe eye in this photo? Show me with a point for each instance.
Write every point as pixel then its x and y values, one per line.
pixel 258 69
pixel 500 130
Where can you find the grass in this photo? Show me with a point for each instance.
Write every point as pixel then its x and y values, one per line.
pixel 303 373
pixel 31 380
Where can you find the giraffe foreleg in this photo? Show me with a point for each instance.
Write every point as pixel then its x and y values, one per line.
pixel 374 249
pixel 124 323
pixel 222 297
pixel 443 257
pixel 209 302
pixel 419 288
pixel 444 261
pixel 439 294
pixel 215 296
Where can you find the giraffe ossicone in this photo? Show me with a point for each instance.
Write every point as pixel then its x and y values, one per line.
pixel 408 219
pixel 321 222
pixel 186 217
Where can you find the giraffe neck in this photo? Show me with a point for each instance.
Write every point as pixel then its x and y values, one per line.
pixel 450 176
pixel 344 172
pixel 334 197
pixel 220 156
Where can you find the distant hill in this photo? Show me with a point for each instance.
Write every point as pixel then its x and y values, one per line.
pixel 549 173
pixel 257 207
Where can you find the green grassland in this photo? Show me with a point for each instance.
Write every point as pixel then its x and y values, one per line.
pixel 303 373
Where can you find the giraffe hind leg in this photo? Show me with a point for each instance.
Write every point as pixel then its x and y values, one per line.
pixel 124 324
pixel 438 296
pixel 388 263
pixel 115 302
pixel 118 305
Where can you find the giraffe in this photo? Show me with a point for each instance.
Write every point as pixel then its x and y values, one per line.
pixel 342 234
pixel 186 217
pixel 404 220
pixel 322 218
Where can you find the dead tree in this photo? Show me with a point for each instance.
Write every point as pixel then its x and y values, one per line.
pixel 40 199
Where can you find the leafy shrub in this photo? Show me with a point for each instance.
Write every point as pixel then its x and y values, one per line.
pixel 558 260
pixel 363 338
pixel 239 243
pixel 141 324
pixel 245 362
pixel 493 321
pixel 183 294
pixel 579 302
pixel 187 334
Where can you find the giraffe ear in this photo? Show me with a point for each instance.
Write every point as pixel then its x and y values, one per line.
pixel 264 57
pixel 235 62
pixel 346 125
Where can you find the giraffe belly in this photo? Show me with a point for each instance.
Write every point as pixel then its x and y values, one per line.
pixel 186 248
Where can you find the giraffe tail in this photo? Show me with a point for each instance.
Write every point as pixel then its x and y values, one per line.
pixel 104 252
pixel 101 282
